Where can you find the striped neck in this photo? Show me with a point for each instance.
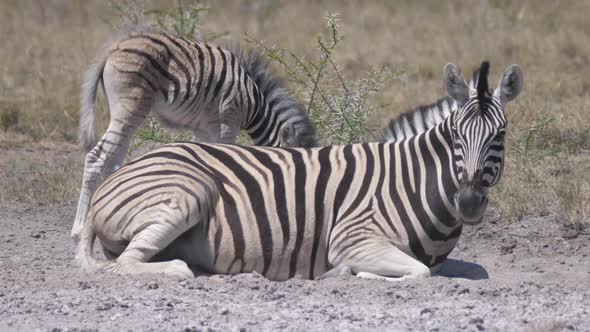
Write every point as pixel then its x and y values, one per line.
pixel 262 123
pixel 435 177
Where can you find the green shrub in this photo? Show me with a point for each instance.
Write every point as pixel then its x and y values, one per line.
pixel 340 108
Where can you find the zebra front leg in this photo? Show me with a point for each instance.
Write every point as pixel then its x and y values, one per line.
pixel 217 132
pixel 338 271
pixel 378 259
pixel 225 126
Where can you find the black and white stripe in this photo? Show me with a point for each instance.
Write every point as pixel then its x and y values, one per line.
pixel 382 210
pixel 212 91
pixel 423 117
pixel 419 119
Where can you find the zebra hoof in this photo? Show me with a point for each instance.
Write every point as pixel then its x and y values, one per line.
pixel 339 271
pixel 179 269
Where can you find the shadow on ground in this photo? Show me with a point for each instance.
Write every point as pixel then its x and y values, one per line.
pixel 454 268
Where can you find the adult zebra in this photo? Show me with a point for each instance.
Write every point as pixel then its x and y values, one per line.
pixel 212 91
pixel 383 210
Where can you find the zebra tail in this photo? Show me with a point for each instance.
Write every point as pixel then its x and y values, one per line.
pixel 92 78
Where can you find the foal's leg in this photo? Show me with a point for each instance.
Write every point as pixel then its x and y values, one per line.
pixel 129 102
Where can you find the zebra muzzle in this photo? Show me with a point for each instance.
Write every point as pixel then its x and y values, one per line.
pixel 471 201
pixel 471 204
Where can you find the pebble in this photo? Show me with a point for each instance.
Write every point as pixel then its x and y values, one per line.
pixel 426 311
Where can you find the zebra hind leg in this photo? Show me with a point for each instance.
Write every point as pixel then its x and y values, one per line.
pixel 105 158
pixel 156 230
pixel 153 231
pixel 128 109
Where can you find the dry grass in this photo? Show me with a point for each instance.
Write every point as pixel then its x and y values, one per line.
pixel 47 46
pixel 39 174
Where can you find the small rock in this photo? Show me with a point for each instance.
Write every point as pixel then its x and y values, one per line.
pixel 505 250
pixel 224 311
pixel 84 285
pixel 121 303
pixel 64 309
pixel 217 277
pixel 476 320
pixel 425 311
pixel 104 306
pixel 153 286
pixel 464 291
pixel 139 284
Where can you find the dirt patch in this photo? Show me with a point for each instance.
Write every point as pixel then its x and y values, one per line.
pixel 502 276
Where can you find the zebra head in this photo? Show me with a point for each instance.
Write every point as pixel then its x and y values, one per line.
pixel 297 132
pixel 478 129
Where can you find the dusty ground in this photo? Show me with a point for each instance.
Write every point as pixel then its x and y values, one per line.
pixel 504 276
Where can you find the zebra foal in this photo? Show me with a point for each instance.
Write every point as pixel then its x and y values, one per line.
pixel 382 210
pixel 212 91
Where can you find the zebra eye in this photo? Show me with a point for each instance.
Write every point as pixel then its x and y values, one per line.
pixel 500 135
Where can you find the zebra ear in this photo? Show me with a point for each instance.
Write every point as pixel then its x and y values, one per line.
pixel 455 84
pixel 510 85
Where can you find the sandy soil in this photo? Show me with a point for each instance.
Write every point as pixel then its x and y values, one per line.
pixel 503 276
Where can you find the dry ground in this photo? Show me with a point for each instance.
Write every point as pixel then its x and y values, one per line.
pixel 533 248
pixel 502 277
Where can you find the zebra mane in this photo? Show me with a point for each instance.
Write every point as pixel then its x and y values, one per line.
pixel 418 119
pixel 483 91
pixel 291 117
